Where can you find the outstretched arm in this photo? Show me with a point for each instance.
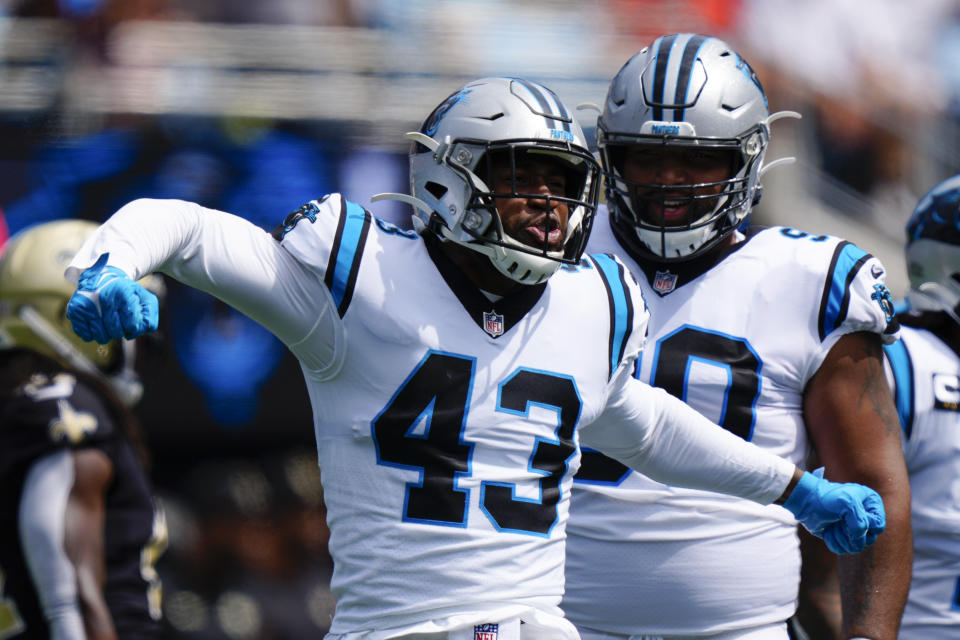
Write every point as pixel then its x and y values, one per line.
pixel 214 251
pixel 657 434
pixel 853 425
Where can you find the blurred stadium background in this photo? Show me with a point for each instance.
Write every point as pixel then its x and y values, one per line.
pixel 256 106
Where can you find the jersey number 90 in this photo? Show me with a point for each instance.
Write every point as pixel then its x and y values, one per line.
pixel 674 354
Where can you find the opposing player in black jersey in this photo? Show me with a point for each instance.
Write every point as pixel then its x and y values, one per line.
pixel 79 529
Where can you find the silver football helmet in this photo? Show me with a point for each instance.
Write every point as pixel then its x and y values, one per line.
pixel 452 157
pixel 692 91
pixel 933 250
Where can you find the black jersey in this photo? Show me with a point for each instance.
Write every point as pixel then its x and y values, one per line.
pixel 56 412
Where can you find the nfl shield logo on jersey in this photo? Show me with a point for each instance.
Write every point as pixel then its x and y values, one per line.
pixel 493 323
pixel 486 631
pixel 664 281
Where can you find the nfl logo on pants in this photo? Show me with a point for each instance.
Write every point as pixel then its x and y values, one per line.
pixel 486 632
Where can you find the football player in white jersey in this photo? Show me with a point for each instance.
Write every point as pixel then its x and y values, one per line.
pixel 453 372
pixel 775 334
pixel 926 372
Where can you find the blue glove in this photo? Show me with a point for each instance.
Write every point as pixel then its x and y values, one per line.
pixel 848 516
pixel 108 305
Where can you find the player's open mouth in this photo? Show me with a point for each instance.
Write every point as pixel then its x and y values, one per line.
pixel 545 230
pixel 671 211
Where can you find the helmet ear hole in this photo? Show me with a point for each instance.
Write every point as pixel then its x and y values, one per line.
pixel 435 189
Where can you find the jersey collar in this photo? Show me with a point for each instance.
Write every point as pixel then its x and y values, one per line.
pixel 495 318
pixel 678 273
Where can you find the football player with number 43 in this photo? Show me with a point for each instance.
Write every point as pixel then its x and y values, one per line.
pixel 454 371
pixel 773 333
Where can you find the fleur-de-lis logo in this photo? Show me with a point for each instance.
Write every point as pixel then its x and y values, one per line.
pixel 71 425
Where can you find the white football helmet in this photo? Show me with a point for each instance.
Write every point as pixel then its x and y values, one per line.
pixel 933 250
pixel 692 91
pixel 452 153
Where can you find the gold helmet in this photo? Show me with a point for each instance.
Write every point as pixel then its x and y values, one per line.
pixel 33 303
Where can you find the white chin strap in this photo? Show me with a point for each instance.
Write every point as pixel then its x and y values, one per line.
pixel 676 244
pixel 515 263
pixel 501 257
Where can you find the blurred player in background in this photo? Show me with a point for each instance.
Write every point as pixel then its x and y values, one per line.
pixel 773 333
pixel 925 364
pixel 79 528
pixel 453 370
pixel 926 368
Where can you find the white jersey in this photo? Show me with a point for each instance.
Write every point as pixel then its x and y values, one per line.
pixel 447 425
pixel 927 390
pixel 738 342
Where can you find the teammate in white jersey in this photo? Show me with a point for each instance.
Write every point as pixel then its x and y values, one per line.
pixel 774 333
pixel 926 371
pixel 453 372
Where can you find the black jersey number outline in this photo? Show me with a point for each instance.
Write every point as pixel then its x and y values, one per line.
pixel 422 426
pixel 673 356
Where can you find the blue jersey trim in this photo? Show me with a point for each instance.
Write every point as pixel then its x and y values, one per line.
pixel 621 306
pixel 346 252
pixel 903 395
pixel 846 262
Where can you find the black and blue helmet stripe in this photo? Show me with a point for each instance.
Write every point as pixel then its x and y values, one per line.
pixel 550 106
pixel 677 84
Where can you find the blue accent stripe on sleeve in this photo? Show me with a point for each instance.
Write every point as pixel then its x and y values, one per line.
pixel 346 252
pixel 902 366
pixel 621 306
pixel 846 262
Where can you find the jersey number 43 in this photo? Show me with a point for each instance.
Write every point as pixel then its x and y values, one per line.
pixel 437 393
